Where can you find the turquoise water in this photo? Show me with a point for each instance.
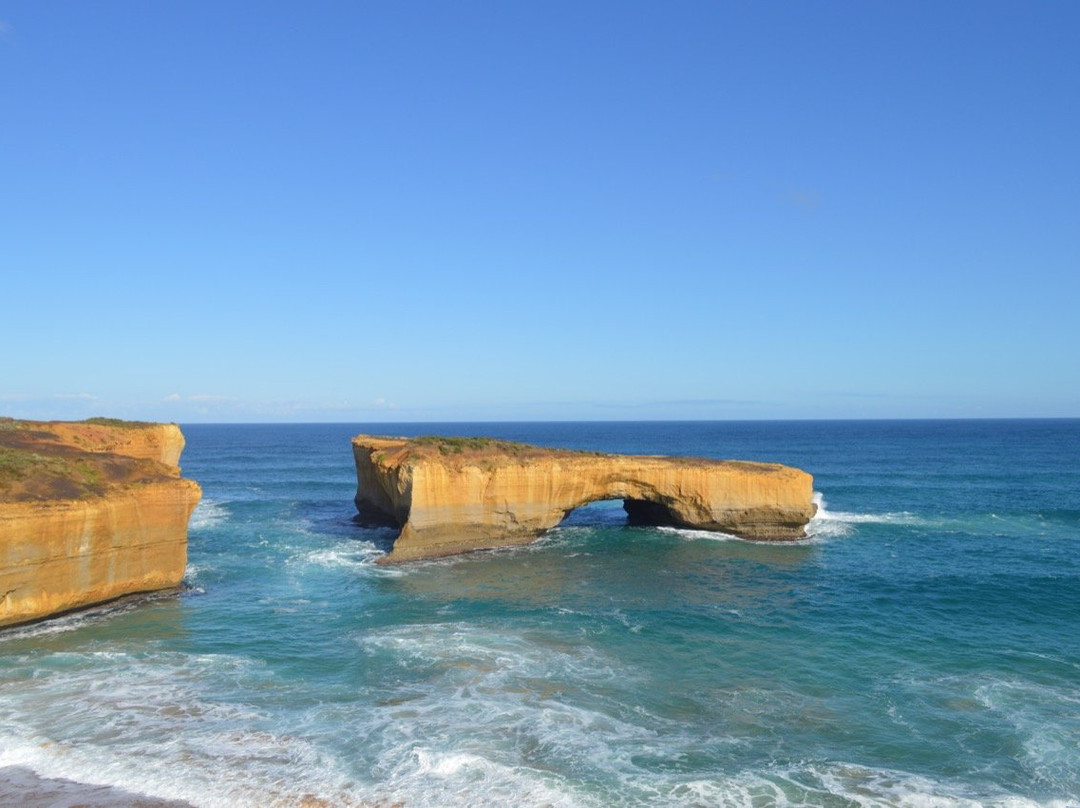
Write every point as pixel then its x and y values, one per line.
pixel 922 648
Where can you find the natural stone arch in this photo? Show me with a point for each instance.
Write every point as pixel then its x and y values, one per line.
pixel 451 495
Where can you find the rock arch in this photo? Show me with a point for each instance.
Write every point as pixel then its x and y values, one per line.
pixel 452 495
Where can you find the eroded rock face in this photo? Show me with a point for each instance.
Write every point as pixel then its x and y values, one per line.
pixel 451 495
pixel 89 512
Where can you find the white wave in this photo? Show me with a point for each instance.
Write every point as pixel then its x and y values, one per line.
pixel 349 554
pixel 118 719
pixel 489 722
pixel 447 744
pixel 429 778
pixel 840 783
pixel 626 622
pixel 207 514
pixel 827 524
pixel 496 657
pixel 689 533
pixel 57 625
pixel 273 770
pixel 263 770
pixel 445 765
pixel 1047 720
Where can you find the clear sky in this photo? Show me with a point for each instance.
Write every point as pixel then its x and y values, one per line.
pixel 397 211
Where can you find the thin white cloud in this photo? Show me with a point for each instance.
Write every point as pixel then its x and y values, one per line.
pixel 172 397
pixel 74 397
pixel 209 398
pixel 5 28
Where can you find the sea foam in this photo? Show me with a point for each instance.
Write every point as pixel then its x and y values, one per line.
pixel 829 524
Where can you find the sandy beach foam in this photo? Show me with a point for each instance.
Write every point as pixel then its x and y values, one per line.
pixel 21 786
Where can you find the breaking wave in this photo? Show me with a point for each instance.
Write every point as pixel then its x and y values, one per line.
pixel 829 524
pixel 208 514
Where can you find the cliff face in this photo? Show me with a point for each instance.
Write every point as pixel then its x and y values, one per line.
pixel 453 495
pixel 89 512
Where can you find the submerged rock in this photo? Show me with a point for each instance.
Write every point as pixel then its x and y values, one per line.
pixel 452 495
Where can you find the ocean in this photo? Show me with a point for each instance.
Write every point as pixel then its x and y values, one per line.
pixel 920 648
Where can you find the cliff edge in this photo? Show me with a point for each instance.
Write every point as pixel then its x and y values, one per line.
pixel 452 495
pixel 89 511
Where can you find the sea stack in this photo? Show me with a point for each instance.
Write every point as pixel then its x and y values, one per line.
pixel 89 511
pixel 452 495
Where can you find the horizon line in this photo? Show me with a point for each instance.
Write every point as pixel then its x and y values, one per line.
pixel 645 420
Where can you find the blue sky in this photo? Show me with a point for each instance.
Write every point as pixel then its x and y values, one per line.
pixel 224 211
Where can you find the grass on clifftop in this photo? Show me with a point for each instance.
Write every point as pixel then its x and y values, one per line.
pixel 452 446
pixel 9 423
pixel 59 472
pixel 36 464
pixel 117 422
pixel 485 452
pixel 26 474
pixel 479 449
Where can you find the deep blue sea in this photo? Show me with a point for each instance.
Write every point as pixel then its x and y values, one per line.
pixel 922 648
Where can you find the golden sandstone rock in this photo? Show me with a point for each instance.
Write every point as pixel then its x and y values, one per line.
pixel 89 512
pixel 451 495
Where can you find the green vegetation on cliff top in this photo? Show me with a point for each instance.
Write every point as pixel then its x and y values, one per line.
pixel 7 422
pixel 449 446
pixel 26 474
pixel 37 463
pixel 117 422
pixel 486 451
pixel 479 449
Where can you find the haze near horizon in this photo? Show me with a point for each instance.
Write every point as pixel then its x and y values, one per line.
pixel 485 211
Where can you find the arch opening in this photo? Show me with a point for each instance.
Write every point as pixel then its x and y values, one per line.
pixel 620 512
pixel 598 513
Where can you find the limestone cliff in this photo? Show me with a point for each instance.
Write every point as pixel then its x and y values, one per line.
pixel 89 511
pixel 451 495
